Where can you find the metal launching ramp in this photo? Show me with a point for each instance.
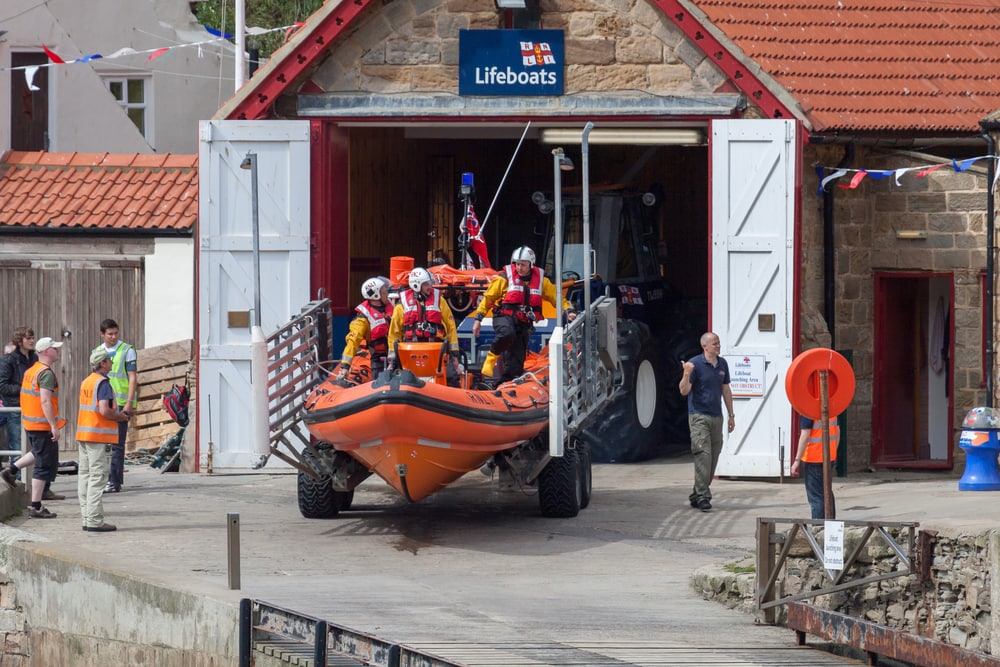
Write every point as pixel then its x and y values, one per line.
pixel 271 636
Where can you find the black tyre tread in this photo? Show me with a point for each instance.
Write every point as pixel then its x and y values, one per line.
pixel 317 500
pixel 586 473
pixel 559 487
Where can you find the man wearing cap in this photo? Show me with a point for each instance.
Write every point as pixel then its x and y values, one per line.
pixel 96 431
pixel 42 423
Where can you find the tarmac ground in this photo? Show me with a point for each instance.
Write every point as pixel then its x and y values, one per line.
pixel 477 562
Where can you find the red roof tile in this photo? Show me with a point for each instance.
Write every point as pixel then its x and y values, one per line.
pixel 99 191
pixel 928 66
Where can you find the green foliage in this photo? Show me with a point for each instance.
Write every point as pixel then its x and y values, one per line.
pixel 739 569
pixel 220 14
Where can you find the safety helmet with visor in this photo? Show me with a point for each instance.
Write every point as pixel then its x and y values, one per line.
pixel 372 289
pixel 418 277
pixel 524 253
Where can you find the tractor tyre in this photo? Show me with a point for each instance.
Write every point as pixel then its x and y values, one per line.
pixel 559 486
pixel 631 427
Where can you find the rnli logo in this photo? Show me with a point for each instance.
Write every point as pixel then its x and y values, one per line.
pixel 630 294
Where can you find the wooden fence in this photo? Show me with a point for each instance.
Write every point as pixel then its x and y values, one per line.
pixel 159 369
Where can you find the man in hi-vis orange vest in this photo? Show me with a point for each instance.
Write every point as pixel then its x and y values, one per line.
pixel 809 458
pixel 96 430
pixel 41 421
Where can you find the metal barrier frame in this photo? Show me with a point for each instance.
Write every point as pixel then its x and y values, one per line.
pixel 769 566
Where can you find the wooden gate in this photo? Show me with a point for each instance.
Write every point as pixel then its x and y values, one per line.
pixel 66 300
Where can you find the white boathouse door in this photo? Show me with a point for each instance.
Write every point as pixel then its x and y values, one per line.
pixel 226 269
pixel 753 298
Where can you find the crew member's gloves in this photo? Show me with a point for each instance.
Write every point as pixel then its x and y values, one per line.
pixel 342 371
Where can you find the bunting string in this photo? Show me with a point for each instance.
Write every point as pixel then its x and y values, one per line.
pixel 218 36
pixel 829 174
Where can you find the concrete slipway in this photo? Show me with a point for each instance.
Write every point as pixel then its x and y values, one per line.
pixel 474 564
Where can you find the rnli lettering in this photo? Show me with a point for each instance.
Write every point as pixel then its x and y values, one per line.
pixel 510 62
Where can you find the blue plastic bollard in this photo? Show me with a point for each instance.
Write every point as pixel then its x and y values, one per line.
pixel 982 446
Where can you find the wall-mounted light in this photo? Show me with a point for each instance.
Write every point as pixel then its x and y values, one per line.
pixel 911 234
pixel 635 136
pixel 522 14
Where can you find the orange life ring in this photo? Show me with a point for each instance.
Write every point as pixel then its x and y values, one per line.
pixel 802 382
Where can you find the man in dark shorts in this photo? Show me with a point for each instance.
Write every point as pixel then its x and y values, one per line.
pixel 42 423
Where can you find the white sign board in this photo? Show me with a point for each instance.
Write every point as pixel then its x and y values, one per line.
pixel 746 375
pixel 833 545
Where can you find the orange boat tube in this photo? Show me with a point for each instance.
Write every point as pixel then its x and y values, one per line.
pixel 418 433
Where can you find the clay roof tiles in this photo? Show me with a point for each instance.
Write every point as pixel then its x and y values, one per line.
pixel 874 65
pixel 101 191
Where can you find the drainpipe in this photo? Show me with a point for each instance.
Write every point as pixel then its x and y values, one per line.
pixel 829 263
pixel 987 127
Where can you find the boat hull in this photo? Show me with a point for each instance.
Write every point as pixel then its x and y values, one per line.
pixel 421 436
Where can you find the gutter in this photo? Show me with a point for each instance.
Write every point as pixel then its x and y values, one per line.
pixel 988 127
pixel 17 230
pixel 829 257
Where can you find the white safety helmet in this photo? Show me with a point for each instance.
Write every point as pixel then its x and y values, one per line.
pixel 372 289
pixel 523 253
pixel 418 277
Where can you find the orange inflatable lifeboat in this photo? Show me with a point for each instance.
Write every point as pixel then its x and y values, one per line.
pixel 418 433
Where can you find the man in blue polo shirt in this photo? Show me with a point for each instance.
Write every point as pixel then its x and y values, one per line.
pixel 706 384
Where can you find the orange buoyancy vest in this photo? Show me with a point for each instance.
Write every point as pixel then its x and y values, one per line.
pixel 422 319
pixel 521 293
pixel 91 425
pixel 814 446
pixel 31 400
pixel 378 326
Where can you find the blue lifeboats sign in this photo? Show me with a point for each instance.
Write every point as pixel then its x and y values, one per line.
pixel 510 62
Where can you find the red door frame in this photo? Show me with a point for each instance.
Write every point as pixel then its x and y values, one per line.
pixel 881 342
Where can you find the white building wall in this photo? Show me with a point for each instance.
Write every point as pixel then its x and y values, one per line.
pixel 169 297
pixel 187 84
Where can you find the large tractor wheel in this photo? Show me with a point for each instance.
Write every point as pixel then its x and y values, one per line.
pixel 559 486
pixel 317 499
pixel 630 428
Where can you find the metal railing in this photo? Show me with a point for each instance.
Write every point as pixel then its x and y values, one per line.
pixel 13 452
pixel 770 565
pixel 587 384
pixel 297 638
pixel 298 356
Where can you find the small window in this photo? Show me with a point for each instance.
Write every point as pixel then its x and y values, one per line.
pixel 132 95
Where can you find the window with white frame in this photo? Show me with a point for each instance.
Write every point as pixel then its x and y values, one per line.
pixel 132 94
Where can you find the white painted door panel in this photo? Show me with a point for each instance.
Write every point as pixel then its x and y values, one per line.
pixel 226 266
pixel 753 198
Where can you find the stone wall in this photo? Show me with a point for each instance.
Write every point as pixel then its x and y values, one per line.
pixel 950 207
pixel 614 46
pixel 955 605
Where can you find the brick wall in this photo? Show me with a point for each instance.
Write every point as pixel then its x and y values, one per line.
pixel 950 207
pixel 412 46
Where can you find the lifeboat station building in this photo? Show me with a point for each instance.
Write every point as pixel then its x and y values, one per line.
pixel 823 173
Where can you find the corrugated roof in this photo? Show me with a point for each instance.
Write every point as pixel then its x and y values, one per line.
pixel 927 66
pixel 99 191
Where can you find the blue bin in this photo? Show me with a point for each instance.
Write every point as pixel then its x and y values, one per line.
pixel 981 442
